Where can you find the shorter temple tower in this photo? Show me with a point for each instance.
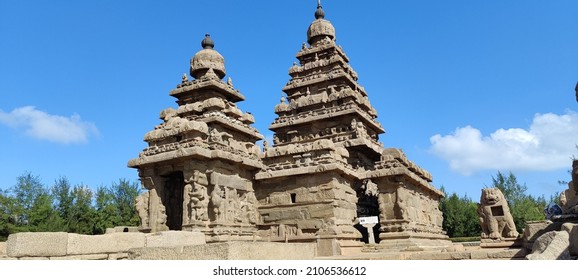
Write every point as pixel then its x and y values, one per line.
pixel 200 161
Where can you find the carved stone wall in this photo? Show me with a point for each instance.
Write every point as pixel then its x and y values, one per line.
pixel 307 206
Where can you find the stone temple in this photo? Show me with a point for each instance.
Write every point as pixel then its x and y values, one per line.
pixel 324 170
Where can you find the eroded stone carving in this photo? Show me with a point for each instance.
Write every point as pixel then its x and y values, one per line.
pixel 370 188
pixel 218 202
pixel 196 198
pixel 175 125
pixel 142 208
pixel 495 217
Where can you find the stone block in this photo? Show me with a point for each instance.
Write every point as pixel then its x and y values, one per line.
pixel 34 258
pixel 573 238
pixel 430 256
pixel 460 255
pixel 229 251
pixel 121 229
pixel 82 257
pixel 479 255
pixel 214 251
pixel 118 256
pixel 280 198
pixel 156 253
pixel 507 254
pixel 552 245
pixel 535 229
pixel 285 214
pixel 310 224
pixel 321 211
pixel 37 244
pixel 108 243
pixel 328 247
pixel 174 238
pixel 2 248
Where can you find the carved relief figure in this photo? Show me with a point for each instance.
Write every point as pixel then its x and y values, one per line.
pixel 142 207
pixel 495 217
pixel 249 207
pixel 219 137
pixel 402 203
pixel 218 203
pixel 370 188
pixel 198 197
pixel 188 214
pixel 162 217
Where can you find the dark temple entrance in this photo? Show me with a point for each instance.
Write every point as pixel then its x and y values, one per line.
pixel 173 194
pixel 367 206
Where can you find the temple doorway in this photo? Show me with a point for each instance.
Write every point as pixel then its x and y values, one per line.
pixel 173 200
pixel 367 206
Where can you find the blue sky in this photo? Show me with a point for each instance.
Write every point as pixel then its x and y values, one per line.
pixel 464 88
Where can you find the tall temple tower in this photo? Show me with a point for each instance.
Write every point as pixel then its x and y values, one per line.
pixel 326 167
pixel 200 161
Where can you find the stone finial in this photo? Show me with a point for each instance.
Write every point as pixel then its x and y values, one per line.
pixel 320 28
pixel 207 43
pixel 319 13
pixel 207 59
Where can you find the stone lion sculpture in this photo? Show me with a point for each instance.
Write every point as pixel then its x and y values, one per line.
pixel 495 217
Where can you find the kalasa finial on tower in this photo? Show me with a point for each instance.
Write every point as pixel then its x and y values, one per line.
pixel 319 13
pixel 207 59
pixel 207 43
pixel 320 28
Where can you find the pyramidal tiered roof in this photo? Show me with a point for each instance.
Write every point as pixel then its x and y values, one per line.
pixel 206 118
pixel 325 105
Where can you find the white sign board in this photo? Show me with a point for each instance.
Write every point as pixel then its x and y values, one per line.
pixel 368 220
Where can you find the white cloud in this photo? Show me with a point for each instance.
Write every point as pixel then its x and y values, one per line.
pixel 548 144
pixel 41 125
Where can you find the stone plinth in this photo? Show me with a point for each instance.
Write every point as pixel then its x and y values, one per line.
pixel 79 244
pixel 174 238
pixel 37 244
pixel 229 251
pixel 512 242
pixel 412 241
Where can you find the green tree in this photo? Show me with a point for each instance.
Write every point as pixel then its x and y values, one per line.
pixel 26 192
pixel 63 201
pixel 5 220
pixel 124 194
pixel 106 211
pixel 30 206
pixel 42 216
pixel 81 211
pixel 523 207
pixel 460 216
